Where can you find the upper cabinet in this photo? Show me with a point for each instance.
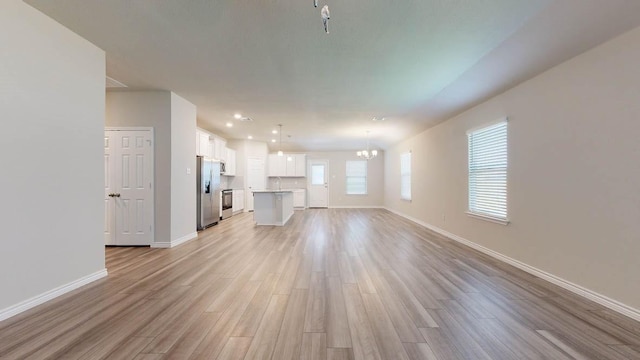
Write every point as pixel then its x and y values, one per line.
pixel 210 145
pixel 289 165
pixel 202 144
pixel 230 162
pixel 219 148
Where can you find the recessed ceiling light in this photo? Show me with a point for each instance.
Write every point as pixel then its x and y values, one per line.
pixel 229 124
pixel 274 131
pixel 237 116
pixel 273 140
pixel 250 137
pixel 380 119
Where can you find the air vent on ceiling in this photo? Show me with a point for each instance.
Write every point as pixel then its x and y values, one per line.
pixel 244 118
pixel 112 83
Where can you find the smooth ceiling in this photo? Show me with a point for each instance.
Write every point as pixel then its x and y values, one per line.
pixel 412 62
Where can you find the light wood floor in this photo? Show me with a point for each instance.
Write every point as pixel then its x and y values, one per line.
pixel 332 284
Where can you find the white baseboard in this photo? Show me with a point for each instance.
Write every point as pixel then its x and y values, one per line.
pixel 357 207
pixel 176 242
pixel 565 284
pixel 184 239
pixel 51 294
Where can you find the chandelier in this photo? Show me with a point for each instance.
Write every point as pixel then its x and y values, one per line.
pixel 367 154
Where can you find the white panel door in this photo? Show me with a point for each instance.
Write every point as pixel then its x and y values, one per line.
pixel 130 175
pixel 255 179
pixel 318 184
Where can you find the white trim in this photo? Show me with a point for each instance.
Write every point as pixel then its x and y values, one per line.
pixel 565 284
pixel 357 207
pixel 176 242
pixel 484 217
pixel 49 295
pixel 129 128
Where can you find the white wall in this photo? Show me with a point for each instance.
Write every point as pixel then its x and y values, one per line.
pixel 174 121
pixel 574 172
pixel 338 181
pixel 52 111
pixel 183 157
pixel 152 109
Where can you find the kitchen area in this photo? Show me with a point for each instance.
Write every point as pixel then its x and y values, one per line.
pixel 241 176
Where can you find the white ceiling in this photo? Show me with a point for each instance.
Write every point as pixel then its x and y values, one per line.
pixel 413 62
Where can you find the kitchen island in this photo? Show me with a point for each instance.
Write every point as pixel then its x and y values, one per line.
pixel 272 207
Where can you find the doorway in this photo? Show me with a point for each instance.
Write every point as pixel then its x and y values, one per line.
pixel 318 183
pixel 128 186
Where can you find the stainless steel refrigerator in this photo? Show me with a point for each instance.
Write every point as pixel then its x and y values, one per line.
pixel 207 191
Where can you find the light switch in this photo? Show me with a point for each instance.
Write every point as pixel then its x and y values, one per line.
pixel 188 171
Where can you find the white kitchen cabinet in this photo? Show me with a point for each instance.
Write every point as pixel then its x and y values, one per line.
pixel 220 149
pixel 202 144
pixel 290 165
pixel 238 201
pixel 301 165
pixel 277 165
pixel 281 166
pixel 211 146
pixel 230 162
pixel 299 199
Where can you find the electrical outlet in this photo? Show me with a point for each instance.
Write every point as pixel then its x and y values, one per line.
pixel 188 171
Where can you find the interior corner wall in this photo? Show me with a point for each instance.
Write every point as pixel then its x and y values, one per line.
pixel 183 169
pixel 338 179
pixel 149 109
pixel 52 109
pixel 573 175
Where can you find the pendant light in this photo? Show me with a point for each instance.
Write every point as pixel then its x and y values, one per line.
pixel 280 153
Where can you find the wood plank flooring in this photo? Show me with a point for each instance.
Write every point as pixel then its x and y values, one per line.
pixel 332 284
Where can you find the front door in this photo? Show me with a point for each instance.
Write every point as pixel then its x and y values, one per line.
pixel 128 171
pixel 318 184
pixel 255 179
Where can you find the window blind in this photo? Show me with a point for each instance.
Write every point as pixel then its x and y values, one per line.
pixel 356 177
pixel 405 176
pixel 488 171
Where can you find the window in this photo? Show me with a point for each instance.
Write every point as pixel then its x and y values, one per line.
pixel 405 176
pixel 488 172
pixel 317 174
pixel 356 177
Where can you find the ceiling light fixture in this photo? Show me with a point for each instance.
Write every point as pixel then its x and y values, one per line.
pixel 239 116
pixel 280 153
pixel 250 137
pixel 325 15
pixel 367 154
pixel 274 131
pixel 229 124
pixel 273 140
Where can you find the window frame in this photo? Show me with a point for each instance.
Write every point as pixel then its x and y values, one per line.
pixel 502 169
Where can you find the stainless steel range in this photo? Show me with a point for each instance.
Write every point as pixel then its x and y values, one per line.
pixel 227 203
